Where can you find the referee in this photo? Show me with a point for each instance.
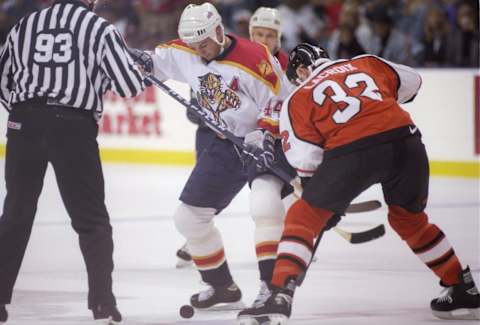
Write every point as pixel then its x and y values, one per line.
pixel 54 68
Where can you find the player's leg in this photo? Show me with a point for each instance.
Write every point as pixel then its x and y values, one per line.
pixel 203 137
pixel 328 193
pixel 75 158
pixel 268 212
pixel 25 166
pixel 215 180
pixel 406 194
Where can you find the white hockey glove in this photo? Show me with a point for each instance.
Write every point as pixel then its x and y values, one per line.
pixel 260 144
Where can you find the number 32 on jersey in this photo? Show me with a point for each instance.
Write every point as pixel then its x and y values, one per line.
pixel 353 103
pixel 338 95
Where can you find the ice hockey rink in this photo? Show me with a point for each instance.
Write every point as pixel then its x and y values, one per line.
pixel 372 283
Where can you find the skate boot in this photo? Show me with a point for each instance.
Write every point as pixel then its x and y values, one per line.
pixel 3 314
pixel 106 315
pixel 461 301
pixel 276 310
pixel 263 294
pixel 226 297
pixel 184 258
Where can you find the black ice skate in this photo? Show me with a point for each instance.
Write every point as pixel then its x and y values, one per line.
pixel 226 297
pixel 184 258
pixel 106 315
pixel 462 301
pixel 3 314
pixel 275 311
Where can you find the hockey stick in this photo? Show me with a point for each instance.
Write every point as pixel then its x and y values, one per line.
pixel 222 130
pixel 352 237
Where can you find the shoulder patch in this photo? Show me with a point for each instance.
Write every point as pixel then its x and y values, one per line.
pixel 254 59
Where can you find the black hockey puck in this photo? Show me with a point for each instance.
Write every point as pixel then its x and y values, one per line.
pixel 186 311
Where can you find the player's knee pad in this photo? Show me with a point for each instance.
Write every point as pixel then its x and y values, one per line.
pixel 265 199
pixel 194 222
pixel 406 223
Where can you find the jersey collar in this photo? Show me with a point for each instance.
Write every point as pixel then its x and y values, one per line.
pixel 227 51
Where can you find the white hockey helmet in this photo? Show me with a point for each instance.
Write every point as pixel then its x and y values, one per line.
pixel 198 22
pixel 267 18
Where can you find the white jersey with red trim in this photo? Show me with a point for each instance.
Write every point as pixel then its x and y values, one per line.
pixel 243 88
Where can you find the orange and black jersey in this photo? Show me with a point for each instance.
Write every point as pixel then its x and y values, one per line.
pixel 343 102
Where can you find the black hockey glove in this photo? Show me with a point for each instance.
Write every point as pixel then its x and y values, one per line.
pixel 260 144
pixel 143 59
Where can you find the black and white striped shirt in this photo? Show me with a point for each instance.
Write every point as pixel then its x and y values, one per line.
pixel 68 55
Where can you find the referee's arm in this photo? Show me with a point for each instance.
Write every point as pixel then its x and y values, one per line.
pixel 126 79
pixel 6 78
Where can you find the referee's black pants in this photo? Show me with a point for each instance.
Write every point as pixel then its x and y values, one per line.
pixel 65 137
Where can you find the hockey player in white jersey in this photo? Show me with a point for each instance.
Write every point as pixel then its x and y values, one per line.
pixel 265 27
pixel 242 87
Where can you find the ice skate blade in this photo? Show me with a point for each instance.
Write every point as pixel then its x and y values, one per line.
pixel 271 319
pixel 234 306
pixel 106 321
pixel 459 314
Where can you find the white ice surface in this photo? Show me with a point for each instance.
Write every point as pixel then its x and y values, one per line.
pixel 380 282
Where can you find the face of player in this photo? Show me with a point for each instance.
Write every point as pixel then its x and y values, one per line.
pixel 266 36
pixel 303 73
pixel 208 49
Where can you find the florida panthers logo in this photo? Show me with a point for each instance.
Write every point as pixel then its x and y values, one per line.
pixel 213 98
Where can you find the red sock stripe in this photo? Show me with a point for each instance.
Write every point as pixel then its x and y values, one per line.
pixel 210 260
pixel 285 268
pixel 267 249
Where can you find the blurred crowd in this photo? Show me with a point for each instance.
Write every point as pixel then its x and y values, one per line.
pixel 429 33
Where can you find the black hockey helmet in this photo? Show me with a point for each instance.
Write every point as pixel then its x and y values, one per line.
pixel 303 54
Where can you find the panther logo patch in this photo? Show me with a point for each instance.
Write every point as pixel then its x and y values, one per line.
pixel 215 96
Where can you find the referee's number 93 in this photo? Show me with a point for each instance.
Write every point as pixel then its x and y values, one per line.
pixel 50 48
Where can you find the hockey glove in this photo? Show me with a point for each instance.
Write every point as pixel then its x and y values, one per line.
pixel 259 150
pixel 143 59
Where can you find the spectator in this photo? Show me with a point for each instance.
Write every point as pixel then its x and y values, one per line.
pixel 11 11
pixel 241 19
pixel 464 51
pixel 349 39
pixel 300 23
pixel 347 46
pixel 436 37
pixel 412 18
pixel 390 43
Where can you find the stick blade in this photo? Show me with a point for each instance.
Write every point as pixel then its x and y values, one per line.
pixel 363 206
pixel 366 236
